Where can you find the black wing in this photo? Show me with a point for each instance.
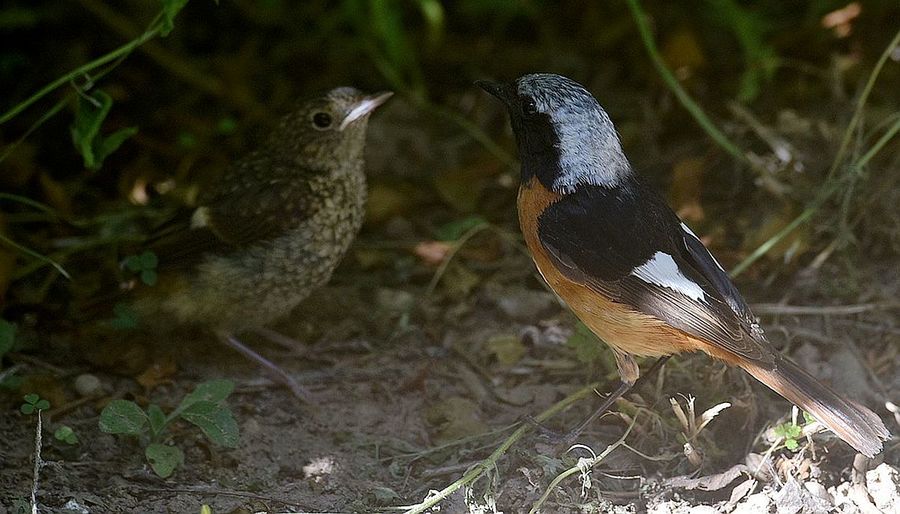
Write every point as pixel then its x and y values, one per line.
pixel 628 244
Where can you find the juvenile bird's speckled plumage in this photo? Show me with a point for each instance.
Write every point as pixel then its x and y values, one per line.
pixel 274 226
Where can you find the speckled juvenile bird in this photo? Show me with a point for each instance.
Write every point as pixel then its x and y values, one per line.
pixel 272 228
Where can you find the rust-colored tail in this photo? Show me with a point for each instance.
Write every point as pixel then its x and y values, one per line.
pixel 853 423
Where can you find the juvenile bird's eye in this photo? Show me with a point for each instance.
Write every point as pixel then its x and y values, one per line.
pixel 322 120
pixel 529 106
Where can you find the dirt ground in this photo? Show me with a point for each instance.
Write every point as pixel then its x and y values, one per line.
pixel 412 390
pixel 421 370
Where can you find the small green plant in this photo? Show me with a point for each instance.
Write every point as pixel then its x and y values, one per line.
pixel 125 317
pixel 792 431
pixel 204 407
pixel 33 403
pixel 65 434
pixel 144 265
pixel 93 147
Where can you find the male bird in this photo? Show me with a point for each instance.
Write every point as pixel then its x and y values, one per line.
pixel 628 267
pixel 272 229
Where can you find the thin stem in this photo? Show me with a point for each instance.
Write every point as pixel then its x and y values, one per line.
pixel 477 134
pixel 38 462
pixel 581 467
pixel 857 114
pixel 53 111
pixel 488 463
pixel 24 200
pixel 123 50
pixel 31 253
pixel 883 140
pixel 456 247
pixel 830 186
pixel 640 18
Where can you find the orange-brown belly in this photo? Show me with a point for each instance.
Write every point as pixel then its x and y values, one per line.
pixel 618 325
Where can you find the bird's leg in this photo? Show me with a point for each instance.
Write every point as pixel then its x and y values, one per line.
pixel 288 343
pixel 278 374
pixel 620 390
pixel 629 377
pixel 629 372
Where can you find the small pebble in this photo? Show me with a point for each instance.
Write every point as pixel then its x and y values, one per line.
pixel 883 484
pixel 87 385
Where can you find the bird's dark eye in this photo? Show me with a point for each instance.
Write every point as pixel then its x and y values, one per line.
pixel 322 120
pixel 529 106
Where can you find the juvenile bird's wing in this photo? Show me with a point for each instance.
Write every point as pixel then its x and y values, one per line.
pixel 243 211
pixel 627 244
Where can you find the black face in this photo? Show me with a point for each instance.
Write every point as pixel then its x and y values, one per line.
pixel 565 138
pixel 538 142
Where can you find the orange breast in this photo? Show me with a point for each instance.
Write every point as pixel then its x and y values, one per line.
pixel 618 325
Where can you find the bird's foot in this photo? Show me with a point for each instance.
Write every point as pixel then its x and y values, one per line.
pixel 277 373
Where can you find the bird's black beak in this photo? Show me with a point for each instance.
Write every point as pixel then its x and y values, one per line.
pixel 503 91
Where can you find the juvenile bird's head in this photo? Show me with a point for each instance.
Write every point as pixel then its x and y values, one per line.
pixel 328 130
pixel 565 138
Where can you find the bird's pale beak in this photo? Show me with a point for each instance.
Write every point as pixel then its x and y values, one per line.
pixel 364 107
pixel 503 91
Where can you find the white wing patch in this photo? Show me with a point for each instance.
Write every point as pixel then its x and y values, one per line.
pixel 662 270
pixel 691 232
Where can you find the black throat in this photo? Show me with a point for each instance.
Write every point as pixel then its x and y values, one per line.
pixel 538 149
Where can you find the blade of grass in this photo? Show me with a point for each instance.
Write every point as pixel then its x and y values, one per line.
pixel 29 202
pixel 53 111
pixel 640 19
pixel 152 31
pixel 863 97
pixel 35 255
pixel 830 185
pixel 491 461
pixel 580 468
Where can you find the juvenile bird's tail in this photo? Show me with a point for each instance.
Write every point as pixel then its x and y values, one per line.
pixel 855 424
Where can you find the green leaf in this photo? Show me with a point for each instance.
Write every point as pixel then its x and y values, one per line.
pixel 212 391
pixel 227 126
pixel 133 263
pixel 454 230
pixel 187 140
pixel 65 434
pixel 433 13
pixel 157 419
pixel 92 110
pixel 170 11
pixel 149 277
pixel 122 417
pixel 149 260
pixel 7 336
pixel 791 444
pixel 105 146
pixel 164 459
pixel 215 421
pixel 32 403
pixel 808 417
pixel 586 345
pixel 126 318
